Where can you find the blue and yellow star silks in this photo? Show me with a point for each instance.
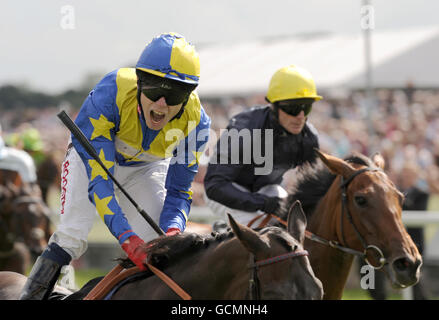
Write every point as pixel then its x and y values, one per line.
pixel 109 118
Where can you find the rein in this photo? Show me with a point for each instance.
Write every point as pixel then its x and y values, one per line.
pixel 118 273
pixel 254 265
pixel 331 243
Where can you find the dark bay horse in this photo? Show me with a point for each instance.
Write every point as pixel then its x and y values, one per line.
pixel 49 173
pixel 351 209
pixel 24 226
pixel 221 266
pixel 10 176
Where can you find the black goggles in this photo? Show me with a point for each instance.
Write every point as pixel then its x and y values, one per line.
pixel 173 96
pixel 293 108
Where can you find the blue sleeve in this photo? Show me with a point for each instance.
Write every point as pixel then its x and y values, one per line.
pixel 181 173
pixel 99 121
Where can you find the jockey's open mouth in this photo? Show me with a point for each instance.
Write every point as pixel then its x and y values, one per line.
pixel 157 116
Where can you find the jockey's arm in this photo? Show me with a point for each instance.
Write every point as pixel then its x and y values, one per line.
pixel 181 173
pixel 222 175
pixel 219 184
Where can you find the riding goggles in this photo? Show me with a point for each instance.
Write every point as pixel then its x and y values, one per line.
pixel 293 108
pixel 173 96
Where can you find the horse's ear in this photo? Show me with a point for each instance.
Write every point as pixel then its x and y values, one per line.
pixel 297 221
pixel 336 165
pixel 249 238
pixel 378 160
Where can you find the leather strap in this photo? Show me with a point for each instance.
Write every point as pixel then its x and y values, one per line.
pixel 171 283
pixel 118 273
pixel 264 222
pixel 308 234
pixel 108 282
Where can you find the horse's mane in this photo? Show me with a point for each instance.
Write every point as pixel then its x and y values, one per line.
pixel 165 250
pixel 313 181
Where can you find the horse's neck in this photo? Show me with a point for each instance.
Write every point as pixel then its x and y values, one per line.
pixel 209 274
pixel 227 264
pixel 330 265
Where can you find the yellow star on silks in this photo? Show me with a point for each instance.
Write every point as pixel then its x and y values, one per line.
pixel 197 158
pixel 102 205
pixel 101 127
pixel 96 169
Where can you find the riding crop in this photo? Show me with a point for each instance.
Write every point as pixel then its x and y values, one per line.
pixel 74 129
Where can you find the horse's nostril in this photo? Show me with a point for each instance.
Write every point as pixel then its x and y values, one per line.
pixel 402 264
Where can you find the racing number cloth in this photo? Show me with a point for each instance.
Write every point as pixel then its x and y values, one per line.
pixel 112 122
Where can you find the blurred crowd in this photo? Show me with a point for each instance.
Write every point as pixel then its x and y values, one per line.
pixel 52 133
pixel 401 124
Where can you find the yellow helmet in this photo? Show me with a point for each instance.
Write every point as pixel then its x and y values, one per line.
pixel 291 82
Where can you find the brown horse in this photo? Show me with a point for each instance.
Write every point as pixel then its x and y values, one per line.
pixel 49 173
pixel 354 209
pixel 25 226
pixel 243 264
pixel 10 176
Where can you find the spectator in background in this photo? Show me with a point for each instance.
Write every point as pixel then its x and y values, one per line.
pixel 29 140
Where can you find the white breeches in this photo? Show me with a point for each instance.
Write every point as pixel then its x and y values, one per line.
pixel 145 184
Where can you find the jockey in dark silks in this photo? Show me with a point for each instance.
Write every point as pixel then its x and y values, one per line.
pixel 237 180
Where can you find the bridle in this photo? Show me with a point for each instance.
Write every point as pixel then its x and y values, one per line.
pixel 254 291
pixel 344 208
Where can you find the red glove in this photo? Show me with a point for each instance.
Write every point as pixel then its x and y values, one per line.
pixel 172 231
pixel 133 247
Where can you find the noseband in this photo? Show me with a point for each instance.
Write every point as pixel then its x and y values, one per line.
pixel 254 286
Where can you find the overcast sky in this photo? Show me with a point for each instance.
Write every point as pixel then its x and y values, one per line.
pixel 52 44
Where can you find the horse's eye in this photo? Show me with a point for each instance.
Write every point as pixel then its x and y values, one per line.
pixel 360 201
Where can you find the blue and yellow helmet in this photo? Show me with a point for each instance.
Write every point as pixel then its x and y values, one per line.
pixel 170 56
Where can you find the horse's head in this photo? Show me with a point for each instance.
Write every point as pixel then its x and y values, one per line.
pixel 279 266
pixel 369 216
pixel 29 217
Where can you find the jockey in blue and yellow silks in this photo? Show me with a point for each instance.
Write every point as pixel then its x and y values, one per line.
pixel 149 129
pixel 114 124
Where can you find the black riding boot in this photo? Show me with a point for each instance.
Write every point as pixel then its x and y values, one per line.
pixel 45 273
